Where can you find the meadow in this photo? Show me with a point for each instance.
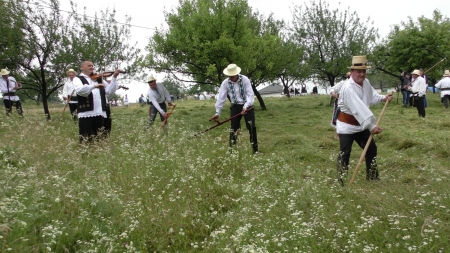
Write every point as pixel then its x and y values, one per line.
pixel 164 190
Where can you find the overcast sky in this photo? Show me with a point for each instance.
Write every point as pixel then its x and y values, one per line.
pixel 150 14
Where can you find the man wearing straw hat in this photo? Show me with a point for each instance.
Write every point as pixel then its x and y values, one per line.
pixel 444 86
pixel 239 89
pixel 418 87
pixel 356 122
pixel 70 95
pixel 157 95
pixel 9 86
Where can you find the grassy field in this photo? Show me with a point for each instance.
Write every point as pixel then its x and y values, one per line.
pixel 151 190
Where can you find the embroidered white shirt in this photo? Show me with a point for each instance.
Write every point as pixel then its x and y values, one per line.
pixel 4 88
pixel 225 89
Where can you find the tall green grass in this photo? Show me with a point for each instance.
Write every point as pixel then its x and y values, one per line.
pixel 156 190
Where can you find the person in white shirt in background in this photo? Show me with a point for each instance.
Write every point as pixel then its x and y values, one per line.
pixel 418 87
pixel 444 86
pixel 70 95
pixel 240 91
pixel 356 122
pixel 157 95
pixel 9 86
pixel 125 101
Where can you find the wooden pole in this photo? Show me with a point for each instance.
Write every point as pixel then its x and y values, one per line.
pixel 168 115
pixel 367 144
pixel 68 100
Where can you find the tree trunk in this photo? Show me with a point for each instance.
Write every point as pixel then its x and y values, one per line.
pixel 38 99
pixel 286 91
pixel 45 104
pixel 258 96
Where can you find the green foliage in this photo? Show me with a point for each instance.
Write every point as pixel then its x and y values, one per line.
pixel 331 38
pixel 204 36
pixel 173 87
pixel 11 39
pixel 110 49
pixel 417 44
pixel 161 190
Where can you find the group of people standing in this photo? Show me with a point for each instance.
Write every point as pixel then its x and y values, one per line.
pixel 302 90
pixel 353 120
pixel 414 88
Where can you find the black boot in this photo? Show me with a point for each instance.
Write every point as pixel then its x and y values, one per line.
pixel 372 172
pixel 342 170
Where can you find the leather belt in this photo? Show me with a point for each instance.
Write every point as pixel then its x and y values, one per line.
pixel 347 118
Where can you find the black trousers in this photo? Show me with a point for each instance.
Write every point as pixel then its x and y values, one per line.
pixel 90 128
pixel 154 111
pixel 250 123
pixel 73 110
pixel 420 105
pixel 8 104
pixel 346 142
pixel 445 100
pixel 107 123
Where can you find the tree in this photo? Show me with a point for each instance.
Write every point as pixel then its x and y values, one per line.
pixel 173 87
pixel 53 43
pixel 204 36
pixel 331 38
pixel 292 63
pixel 413 45
pixel 104 42
pixel 11 39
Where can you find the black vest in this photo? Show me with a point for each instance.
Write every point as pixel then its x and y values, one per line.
pixel 87 103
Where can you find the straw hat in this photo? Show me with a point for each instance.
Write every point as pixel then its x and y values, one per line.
pixel 416 72
pixel 71 71
pixel 150 79
pixel 447 72
pixel 232 70
pixel 4 72
pixel 359 62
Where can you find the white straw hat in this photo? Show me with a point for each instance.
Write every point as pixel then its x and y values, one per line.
pixel 232 70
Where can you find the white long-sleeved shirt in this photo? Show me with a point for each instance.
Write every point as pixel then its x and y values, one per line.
pixel 111 88
pixel 84 91
pixel 419 86
pixel 4 88
pixel 67 91
pixel 355 100
pixel 444 83
pixel 159 95
pixel 337 88
pixel 228 86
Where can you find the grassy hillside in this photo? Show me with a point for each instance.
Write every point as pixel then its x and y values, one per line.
pixel 151 190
